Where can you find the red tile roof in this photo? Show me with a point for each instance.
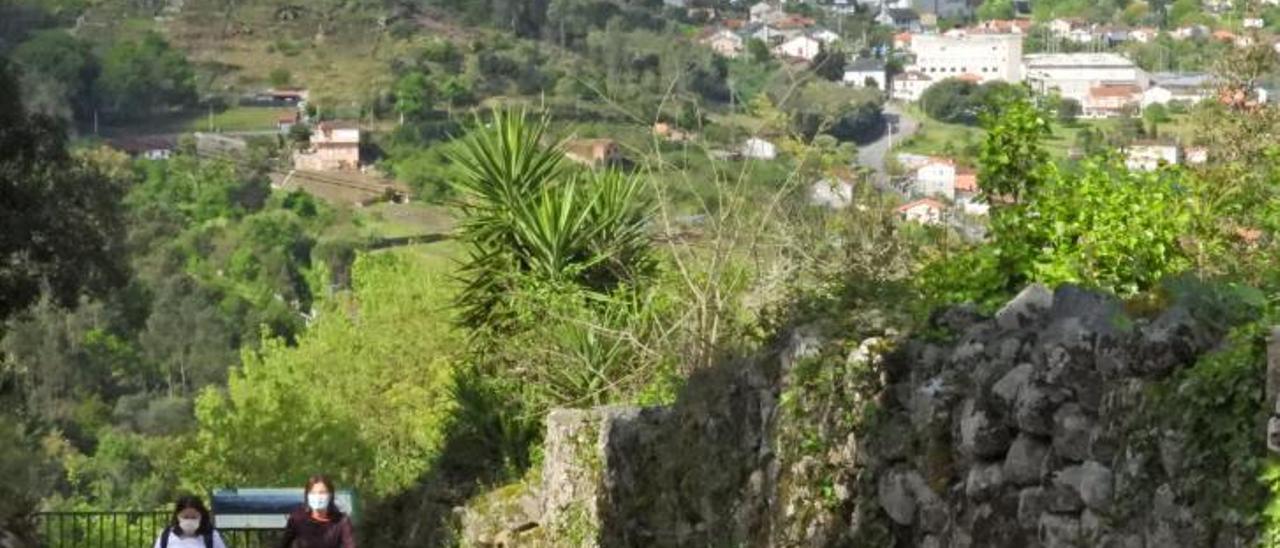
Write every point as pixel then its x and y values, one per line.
pixel 966 180
pixel 930 202
pixel 1114 90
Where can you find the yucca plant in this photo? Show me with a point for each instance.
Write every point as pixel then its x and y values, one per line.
pixel 527 212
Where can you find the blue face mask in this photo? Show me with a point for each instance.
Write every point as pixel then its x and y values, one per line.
pixel 318 502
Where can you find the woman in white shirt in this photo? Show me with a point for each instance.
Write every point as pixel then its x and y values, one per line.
pixel 190 527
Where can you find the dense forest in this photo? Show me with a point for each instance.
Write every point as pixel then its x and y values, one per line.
pixel 183 324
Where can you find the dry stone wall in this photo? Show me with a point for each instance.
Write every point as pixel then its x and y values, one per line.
pixel 1011 431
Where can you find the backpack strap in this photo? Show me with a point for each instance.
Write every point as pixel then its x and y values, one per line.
pixel 164 537
pixel 208 539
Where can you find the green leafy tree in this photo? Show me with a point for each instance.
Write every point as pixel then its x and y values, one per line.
pixel 1154 115
pixel 1103 226
pixel 995 9
pixel 951 101
pixel 61 225
pixel 1014 163
pixel 1182 11
pixel 415 95
pixel 444 54
pixel 28 478
pixel 281 77
pixel 365 393
pixel 300 134
pixel 1068 110
pixel 141 77
pixel 59 60
pixel 829 64
pixel 758 50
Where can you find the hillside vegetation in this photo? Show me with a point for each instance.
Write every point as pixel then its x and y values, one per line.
pixel 181 324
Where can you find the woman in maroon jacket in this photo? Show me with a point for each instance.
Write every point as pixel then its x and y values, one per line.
pixel 319 523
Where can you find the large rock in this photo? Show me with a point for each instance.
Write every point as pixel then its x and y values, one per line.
pixel 897 497
pixel 1171 523
pixel 1033 410
pixel 932 401
pixel 981 436
pixel 1006 389
pixel 1172 341
pixel 907 499
pixel 1024 309
pixel 1091 481
pixel 1072 433
pixel 957 319
pixel 1173 448
pixel 1101 313
pixel 1059 531
pixel 1024 465
pixel 1062 498
pixel 984 481
pixel 994 524
pixel 1032 502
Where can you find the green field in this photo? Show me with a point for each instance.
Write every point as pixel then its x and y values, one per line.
pixel 239 119
pixel 388 220
pixel 936 138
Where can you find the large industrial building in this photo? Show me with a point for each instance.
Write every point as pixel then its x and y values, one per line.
pixel 1073 75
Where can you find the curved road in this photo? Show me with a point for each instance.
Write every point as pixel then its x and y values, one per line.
pixel 873 155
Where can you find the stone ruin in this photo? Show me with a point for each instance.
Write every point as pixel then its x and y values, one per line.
pixel 1011 434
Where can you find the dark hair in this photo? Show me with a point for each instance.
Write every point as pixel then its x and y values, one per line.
pixel 321 479
pixel 192 502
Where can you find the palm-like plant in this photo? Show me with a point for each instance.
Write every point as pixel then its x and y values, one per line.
pixel 527 213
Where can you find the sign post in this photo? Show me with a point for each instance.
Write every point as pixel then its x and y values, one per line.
pixel 266 508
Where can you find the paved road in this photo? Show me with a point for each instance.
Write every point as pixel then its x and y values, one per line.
pixel 873 155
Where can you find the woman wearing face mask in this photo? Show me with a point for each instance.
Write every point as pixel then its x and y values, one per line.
pixel 318 523
pixel 190 527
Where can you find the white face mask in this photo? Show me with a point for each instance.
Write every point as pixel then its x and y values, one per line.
pixel 318 502
pixel 189 526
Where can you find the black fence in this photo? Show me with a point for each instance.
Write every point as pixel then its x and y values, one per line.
pixel 129 530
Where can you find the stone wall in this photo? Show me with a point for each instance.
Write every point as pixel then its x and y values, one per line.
pixel 1005 431
pixel 1018 433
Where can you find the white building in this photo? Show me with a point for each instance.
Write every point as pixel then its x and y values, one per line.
pixel 1111 100
pixel 1060 28
pixel 800 47
pixel 937 178
pixel 862 71
pixel 759 149
pixel 1150 156
pixel 825 36
pixel 1190 32
pixel 1073 74
pixel 909 86
pixel 924 211
pixel 1196 155
pixel 900 19
pixel 765 12
pixel 1144 35
pixel 725 42
pixel 987 56
pixel 950 9
pixel 1169 88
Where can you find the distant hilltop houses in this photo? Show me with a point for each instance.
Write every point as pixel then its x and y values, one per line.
pixel 1104 84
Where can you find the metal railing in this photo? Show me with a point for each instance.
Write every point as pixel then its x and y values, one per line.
pixel 129 530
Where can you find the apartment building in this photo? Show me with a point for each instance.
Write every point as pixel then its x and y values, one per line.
pixel 990 57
